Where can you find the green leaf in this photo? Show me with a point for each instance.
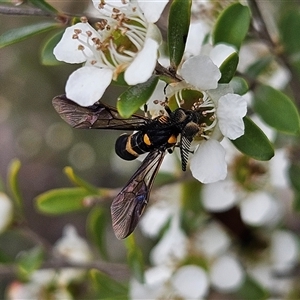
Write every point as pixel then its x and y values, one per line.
pixel 22 33
pixel 192 212
pixel 29 261
pixel 134 97
pixel 259 66
pixel 107 287
pixel 13 182
pixel 228 67
pixel 239 85
pixel 296 202
pixel 289 31
pixel 47 56
pixel 294 176
pixel 120 81
pixel 251 289
pixel 5 258
pixel 178 27
pixel 45 6
pixel 276 109
pixel 135 258
pixel 254 142
pixel 96 228
pixel 232 25
pixel 61 201
pixel 76 180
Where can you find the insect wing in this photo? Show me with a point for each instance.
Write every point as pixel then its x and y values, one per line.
pixel 129 205
pixel 99 116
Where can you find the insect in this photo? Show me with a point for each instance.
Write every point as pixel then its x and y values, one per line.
pixel 155 136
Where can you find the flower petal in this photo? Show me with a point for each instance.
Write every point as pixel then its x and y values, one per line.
pixel 226 273
pixel 6 211
pixel 172 246
pixel 190 282
pixel 260 209
pixel 67 48
pixel 212 241
pixel 230 112
pixel 194 42
pixel 220 52
pixel 86 85
pixel 154 219
pixel 152 9
pixel 143 65
pixel 284 251
pixel 219 196
pixel 208 163
pixel 279 165
pixel 201 72
pixel 220 91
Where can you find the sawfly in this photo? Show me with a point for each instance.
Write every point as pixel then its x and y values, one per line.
pixel 153 136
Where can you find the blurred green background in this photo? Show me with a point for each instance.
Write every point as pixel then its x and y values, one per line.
pixel 32 131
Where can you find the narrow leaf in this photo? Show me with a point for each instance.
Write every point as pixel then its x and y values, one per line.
pixel 259 66
pixel 239 85
pixel 107 287
pixel 232 25
pixel 47 56
pixel 135 258
pixel 178 27
pixel 192 209
pixel 296 202
pixel 251 289
pixel 5 258
pixel 228 68
pixel 22 33
pixel 96 227
pixel 294 176
pixel 45 6
pixel 134 97
pixel 276 109
pixel 289 31
pixel 254 142
pixel 75 179
pixel 63 200
pixel 29 261
pixel 13 182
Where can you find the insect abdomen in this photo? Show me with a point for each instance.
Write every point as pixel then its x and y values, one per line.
pixel 130 146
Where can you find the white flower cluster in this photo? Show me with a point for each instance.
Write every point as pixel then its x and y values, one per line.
pixel 127 41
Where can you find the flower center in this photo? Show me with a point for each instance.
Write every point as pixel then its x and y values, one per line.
pixel 116 40
pixel 249 173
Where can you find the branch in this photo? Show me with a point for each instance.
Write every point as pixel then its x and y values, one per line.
pixel 21 11
pixel 116 271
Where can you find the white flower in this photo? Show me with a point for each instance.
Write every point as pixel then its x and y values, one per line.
pixel 280 259
pixel 125 40
pixel 156 216
pixel 251 185
pixel 222 112
pixel 161 282
pixel 172 246
pixel 212 240
pixel 73 249
pixel 284 250
pixel 6 211
pixel 190 282
pixel 226 273
pixel 154 286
